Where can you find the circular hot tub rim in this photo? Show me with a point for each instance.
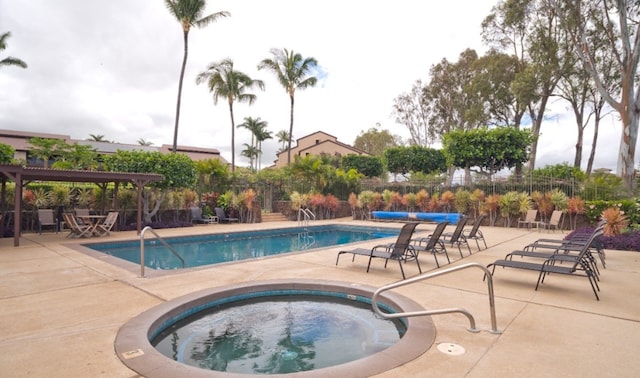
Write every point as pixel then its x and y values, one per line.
pixel 133 345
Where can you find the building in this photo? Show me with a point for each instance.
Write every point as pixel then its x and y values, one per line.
pixel 19 140
pixel 316 144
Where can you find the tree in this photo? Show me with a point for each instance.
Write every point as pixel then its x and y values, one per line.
pixel 411 109
pixel 6 153
pixel 144 142
pixel 97 138
pixel 403 160
pixel 487 150
pixel 77 156
pixel 189 14
pixel 283 137
pixel 46 148
pixel 369 166
pixel 9 61
pixel 374 142
pixel 293 72
pixel 257 128
pixel 262 135
pixel 179 171
pixel 586 21
pixel 223 81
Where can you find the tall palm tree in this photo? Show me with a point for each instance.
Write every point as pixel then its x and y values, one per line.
pixel 251 152
pixel 188 13
pixel 293 72
pixel 9 61
pixel 225 82
pixel 283 137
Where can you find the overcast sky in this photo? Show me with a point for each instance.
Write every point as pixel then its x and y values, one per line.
pixel 111 68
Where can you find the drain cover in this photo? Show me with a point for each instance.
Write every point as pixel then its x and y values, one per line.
pixel 451 349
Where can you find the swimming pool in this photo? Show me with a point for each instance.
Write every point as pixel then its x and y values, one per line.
pixel 227 247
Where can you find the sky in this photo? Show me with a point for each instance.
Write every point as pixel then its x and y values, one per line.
pixel 111 68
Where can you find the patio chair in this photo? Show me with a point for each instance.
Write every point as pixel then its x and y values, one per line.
pixel 580 266
pixel 76 230
pixel 475 234
pixel 81 215
pixel 196 217
pixel 401 250
pixel 529 219
pixel 105 227
pixel 553 223
pixel 433 243
pixel 222 217
pixel 457 237
pixel 46 218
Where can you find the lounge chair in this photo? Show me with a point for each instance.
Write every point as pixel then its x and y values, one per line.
pixel 105 227
pixel 196 217
pixel 76 230
pixel 401 250
pixel 46 218
pixel 529 219
pixel 457 237
pixel 579 267
pixel 475 234
pixel 554 221
pixel 222 217
pixel 433 243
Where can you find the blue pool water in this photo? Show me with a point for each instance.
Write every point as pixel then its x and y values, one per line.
pixel 218 248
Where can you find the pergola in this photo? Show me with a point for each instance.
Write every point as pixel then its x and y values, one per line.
pixel 21 175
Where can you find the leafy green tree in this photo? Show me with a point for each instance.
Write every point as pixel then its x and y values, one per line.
pixel 189 14
pixel 213 176
pixel 6 153
pixel 375 141
pixel 403 160
pixel 225 82
pixel 560 171
pixel 488 151
pixel 46 148
pixel 9 61
pixel 369 166
pixel 77 156
pixel 179 171
pixel 586 21
pixel 293 72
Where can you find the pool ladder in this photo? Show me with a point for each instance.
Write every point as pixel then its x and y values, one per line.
pixel 304 216
pixel 424 276
pixel 148 228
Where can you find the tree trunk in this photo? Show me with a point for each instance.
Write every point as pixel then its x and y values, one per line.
pixel 233 139
pixel 290 131
pixel 184 65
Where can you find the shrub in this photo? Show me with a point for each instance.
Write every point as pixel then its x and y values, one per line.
pixel 616 221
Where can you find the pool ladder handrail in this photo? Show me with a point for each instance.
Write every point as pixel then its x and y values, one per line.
pixel 148 228
pixel 424 276
pixel 307 214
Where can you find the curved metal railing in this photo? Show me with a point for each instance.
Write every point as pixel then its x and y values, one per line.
pixel 422 277
pixel 148 228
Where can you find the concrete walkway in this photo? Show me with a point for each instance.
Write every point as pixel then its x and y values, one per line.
pixel 60 308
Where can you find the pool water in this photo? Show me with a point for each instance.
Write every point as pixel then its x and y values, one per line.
pixel 278 335
pixel 219 248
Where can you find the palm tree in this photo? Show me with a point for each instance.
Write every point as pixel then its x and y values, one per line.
pixel 224 81
pixel 144 142
pixel 188 13
pixel 97 138
pixel 293 73
pixel 283 137
pixel 9 61
pixel 254 125
pixel 251 152
pixel 262 135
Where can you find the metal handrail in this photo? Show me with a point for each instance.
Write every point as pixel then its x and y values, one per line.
pixel 148 228
pixel 307 215
pixel 422 277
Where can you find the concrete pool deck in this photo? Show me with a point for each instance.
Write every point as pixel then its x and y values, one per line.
pixel 60 309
